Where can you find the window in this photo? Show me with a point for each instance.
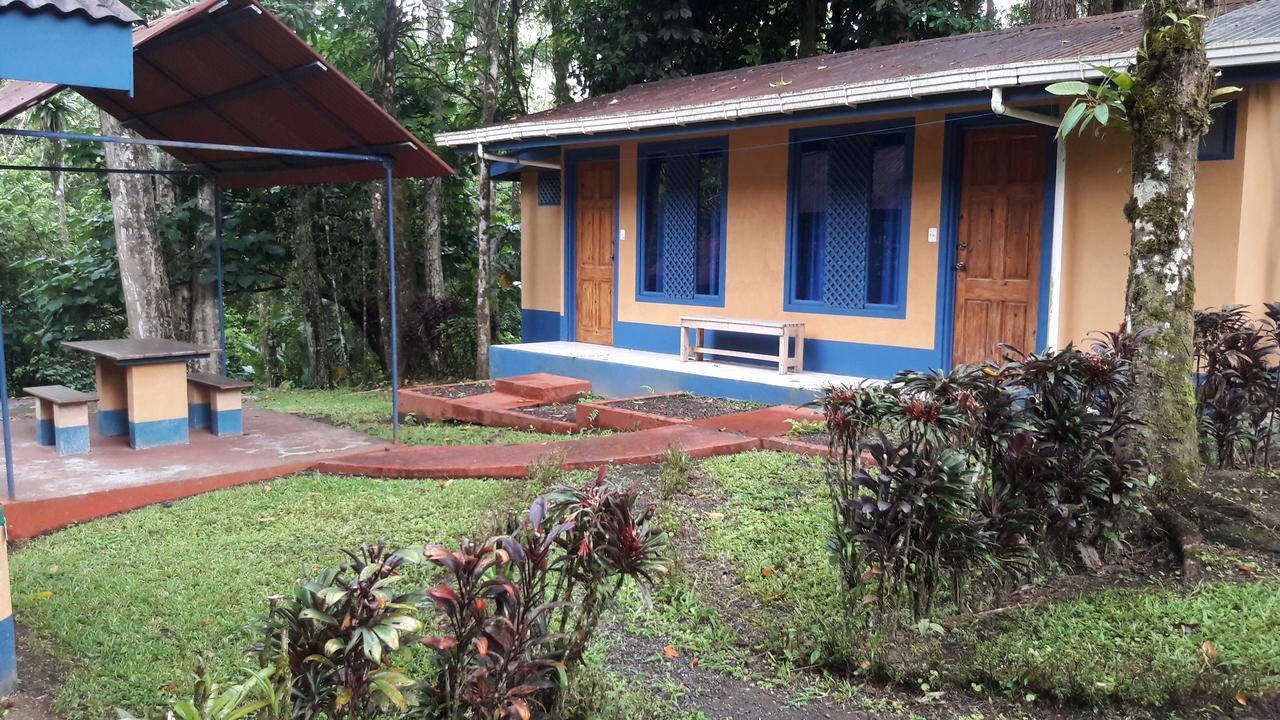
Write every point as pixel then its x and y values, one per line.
pixel 548 187
pixel 1220 142
pixel 682 221
pixel 850 199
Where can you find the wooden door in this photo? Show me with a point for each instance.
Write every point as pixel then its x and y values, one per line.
pixel 998 241
pixel 596 210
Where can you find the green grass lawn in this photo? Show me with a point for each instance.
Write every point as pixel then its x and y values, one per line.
pixel 124 602
pixel 369 412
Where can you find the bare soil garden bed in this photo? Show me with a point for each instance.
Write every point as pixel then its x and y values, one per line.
pixel 564 412
pixel 457 390
pixel 683 406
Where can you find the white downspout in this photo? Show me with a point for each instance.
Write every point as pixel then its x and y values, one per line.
pixel 1054 321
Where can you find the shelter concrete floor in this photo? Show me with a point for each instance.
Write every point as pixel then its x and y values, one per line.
pixel 55 490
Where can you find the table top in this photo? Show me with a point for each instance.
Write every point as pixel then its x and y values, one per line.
pixel 133 350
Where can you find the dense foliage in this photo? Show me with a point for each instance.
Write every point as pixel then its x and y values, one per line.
pixel 1238 395
pixel 513 617
pixel 969 481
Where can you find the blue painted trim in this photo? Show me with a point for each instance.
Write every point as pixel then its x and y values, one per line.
pixel 66 49
pixel 830 356
pixel 198 415
pixel 227 422
pixel 612 379
pixel 113 422
pixel 941 102
pixel 568 321
pixel 44 432
pixel 646 151
pixel 72 440
pixel 1229 119
pixel 8 651
pixel 539 325
pixel 903 126
pixel 952 171
pixel 157 433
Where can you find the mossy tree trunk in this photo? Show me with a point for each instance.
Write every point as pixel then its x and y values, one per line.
pixel 1169 113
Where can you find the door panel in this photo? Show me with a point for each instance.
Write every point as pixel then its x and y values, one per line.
pixel 595 207
pixel 998 241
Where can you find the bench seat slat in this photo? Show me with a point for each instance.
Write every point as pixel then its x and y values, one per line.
pixel 59 394
pixel 736 353
pixel 218 381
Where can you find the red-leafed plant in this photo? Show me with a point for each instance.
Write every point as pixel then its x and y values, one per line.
pixel 520 608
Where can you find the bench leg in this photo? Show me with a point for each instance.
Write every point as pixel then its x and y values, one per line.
pixel 784 352
pixel 799 351
pixel 698 342
pixel 684 344
pixel 113 398
pixel 71 428
pixel 44 422
pixel 226 416
pixel 198 406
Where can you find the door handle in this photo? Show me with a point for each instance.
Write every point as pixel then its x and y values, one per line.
pixel 961 266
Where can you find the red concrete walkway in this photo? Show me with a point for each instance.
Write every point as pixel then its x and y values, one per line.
pixel 514 460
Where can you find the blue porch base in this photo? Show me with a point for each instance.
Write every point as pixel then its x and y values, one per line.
pixel 826 356
pixel 71 440
pixel 113 422
pixel 44 432
pixel 8 655
pixel 615 379
pixel 198 415
pixel 157 433
pixel 227 422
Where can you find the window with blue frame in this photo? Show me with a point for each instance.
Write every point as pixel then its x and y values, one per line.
pixel 682 221
pixel 850 201
pixel 1219 143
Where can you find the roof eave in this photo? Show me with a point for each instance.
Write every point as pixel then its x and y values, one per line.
pixel 1223 55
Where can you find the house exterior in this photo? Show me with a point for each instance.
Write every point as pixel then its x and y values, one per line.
pixel 878 196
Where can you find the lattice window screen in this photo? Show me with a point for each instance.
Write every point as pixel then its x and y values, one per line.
pixel 848 222
pixel 548 187
pixel 679 217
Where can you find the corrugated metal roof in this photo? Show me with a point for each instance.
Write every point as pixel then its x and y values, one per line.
pixel 229 72
pixel 94 9
pixel 1080 39
pixel 1256 22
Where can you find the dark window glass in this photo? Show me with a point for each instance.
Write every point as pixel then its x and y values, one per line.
pixel 684 206
pixel 1219 142
pixel 819 263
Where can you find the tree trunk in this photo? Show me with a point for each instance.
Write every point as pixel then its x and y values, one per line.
pixel 484 239
pixel 808 28
pixel 559 53
pixel 1168 111
pixel 266 346
pixel 144 278
pixel 382 89
pixel 59 179
pixel 204 295
pixel 1043 11
pixel 311 288
pixel 433 188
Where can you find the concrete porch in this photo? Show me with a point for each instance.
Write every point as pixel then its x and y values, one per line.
pixel 620 372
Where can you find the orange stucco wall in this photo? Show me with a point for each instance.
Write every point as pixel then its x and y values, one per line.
pixel 1237 231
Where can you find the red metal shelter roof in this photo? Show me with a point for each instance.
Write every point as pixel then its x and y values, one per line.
pixel 229 72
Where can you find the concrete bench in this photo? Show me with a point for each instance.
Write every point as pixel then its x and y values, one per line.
pixel 784 331
pixel 62 418
pixel 214 402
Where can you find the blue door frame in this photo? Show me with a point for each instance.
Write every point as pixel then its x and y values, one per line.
pixel 569 319
pixel 952 177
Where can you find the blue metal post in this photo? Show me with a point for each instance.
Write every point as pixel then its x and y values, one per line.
pixel 217 255
pixel 4 408
pixel 395 325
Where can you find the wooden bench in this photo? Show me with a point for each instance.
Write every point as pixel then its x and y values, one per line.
pixel 214 402
pixel 62 418
pixel 784 331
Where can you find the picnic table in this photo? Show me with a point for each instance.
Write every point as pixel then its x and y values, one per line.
pixel 142 387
